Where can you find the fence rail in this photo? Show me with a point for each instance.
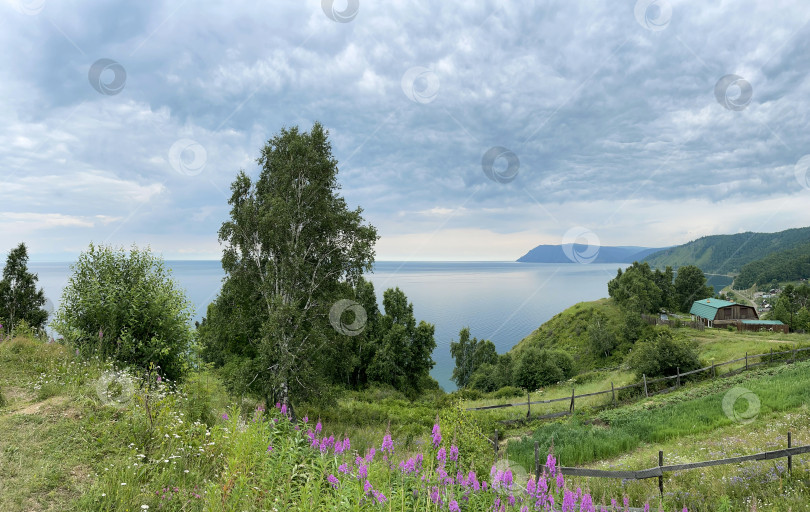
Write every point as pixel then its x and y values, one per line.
pixel 661 469
pixel 644 384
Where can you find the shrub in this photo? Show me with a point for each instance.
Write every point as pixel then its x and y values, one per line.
pixel 205 398
pixel 507 392
pixel 127 307
pixel 537 368
pixel 663 353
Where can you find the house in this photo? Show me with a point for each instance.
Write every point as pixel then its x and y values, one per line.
pixel 721 313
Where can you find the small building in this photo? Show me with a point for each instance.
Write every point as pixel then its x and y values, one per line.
pixel 721 313
pixel 763 325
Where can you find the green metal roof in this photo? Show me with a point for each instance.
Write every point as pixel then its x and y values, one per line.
pixel 763 322
pixel 707 308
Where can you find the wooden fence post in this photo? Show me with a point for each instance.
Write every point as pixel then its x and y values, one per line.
pixel 746 361
pixel 537 460
pixel 644 376
pixel 613 391
pixel 714 373
pixel 661 478
pixel 770 359
pixel 571 409
pixel 790 457
pixel 794 355
pixel 679 377
pixel 496 446
pixel 528 403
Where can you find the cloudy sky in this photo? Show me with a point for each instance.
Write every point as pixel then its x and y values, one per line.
pixel 638 123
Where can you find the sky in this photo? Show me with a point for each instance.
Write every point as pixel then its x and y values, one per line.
pixel 465 130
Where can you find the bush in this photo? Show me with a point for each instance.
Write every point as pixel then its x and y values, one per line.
pixel 205 398
pixel 537 368
pixel 663 353
pixel 507 392
pixel 126 307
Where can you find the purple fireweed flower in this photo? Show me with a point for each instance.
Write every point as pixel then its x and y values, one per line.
pixel 362 471
pixel 370 454
pixel 318 427
pixel 343 468
pixel 408 466
pixel 560 481
pixel 483 486
pixel 614 503
pixel 306 419
pixel 380 497
pixel 453 452
pixel 531 486
pixel 551 464
pixel 626 502
pixel 269 447
pixel 511 500
pixel 454 506
pixel 367 487
pixel 442 455
pixel 346 445
pixel 568 503
pixel 646 507
pixel 333 480
pixel 587 504
pixel 435 497
pixel 542 485
pixel 225 416
pixel 388 444
pixel 284 409
pixel 437 435
pixel 524 508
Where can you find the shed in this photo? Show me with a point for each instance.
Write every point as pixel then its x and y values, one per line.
pixel 720 313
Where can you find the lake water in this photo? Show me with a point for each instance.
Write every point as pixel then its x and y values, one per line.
pixel 500 301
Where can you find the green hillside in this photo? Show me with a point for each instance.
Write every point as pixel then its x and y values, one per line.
pixel 788 265
pixel 568 331
pixel 723 254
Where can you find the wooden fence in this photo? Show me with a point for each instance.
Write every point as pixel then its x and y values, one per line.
pixel 658 471
pixel 645 384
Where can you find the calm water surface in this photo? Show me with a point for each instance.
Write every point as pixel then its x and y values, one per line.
pixel 500 301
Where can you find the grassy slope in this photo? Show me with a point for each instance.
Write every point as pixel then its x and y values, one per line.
pixel 568 331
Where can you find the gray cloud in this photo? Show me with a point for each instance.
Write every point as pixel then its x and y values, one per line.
pixel 598 109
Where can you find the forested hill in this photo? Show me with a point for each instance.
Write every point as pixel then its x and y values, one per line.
pixel 574 253
pixel 722 254
pixel 788 265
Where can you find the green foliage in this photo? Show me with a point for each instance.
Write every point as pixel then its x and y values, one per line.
pixel 507 392
pixel 568 331
pixel 3 400
pixel 536 368
pixel 637 288
pixel 126 307
pixel 205 397
pixel 789 305
pixel 19 298
pixel 469 355
pixel 690 285
pixel 786 265
pixel 291 246
pixel 601 337
pixel 724 254
pixel 403 356
pixel 663 353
